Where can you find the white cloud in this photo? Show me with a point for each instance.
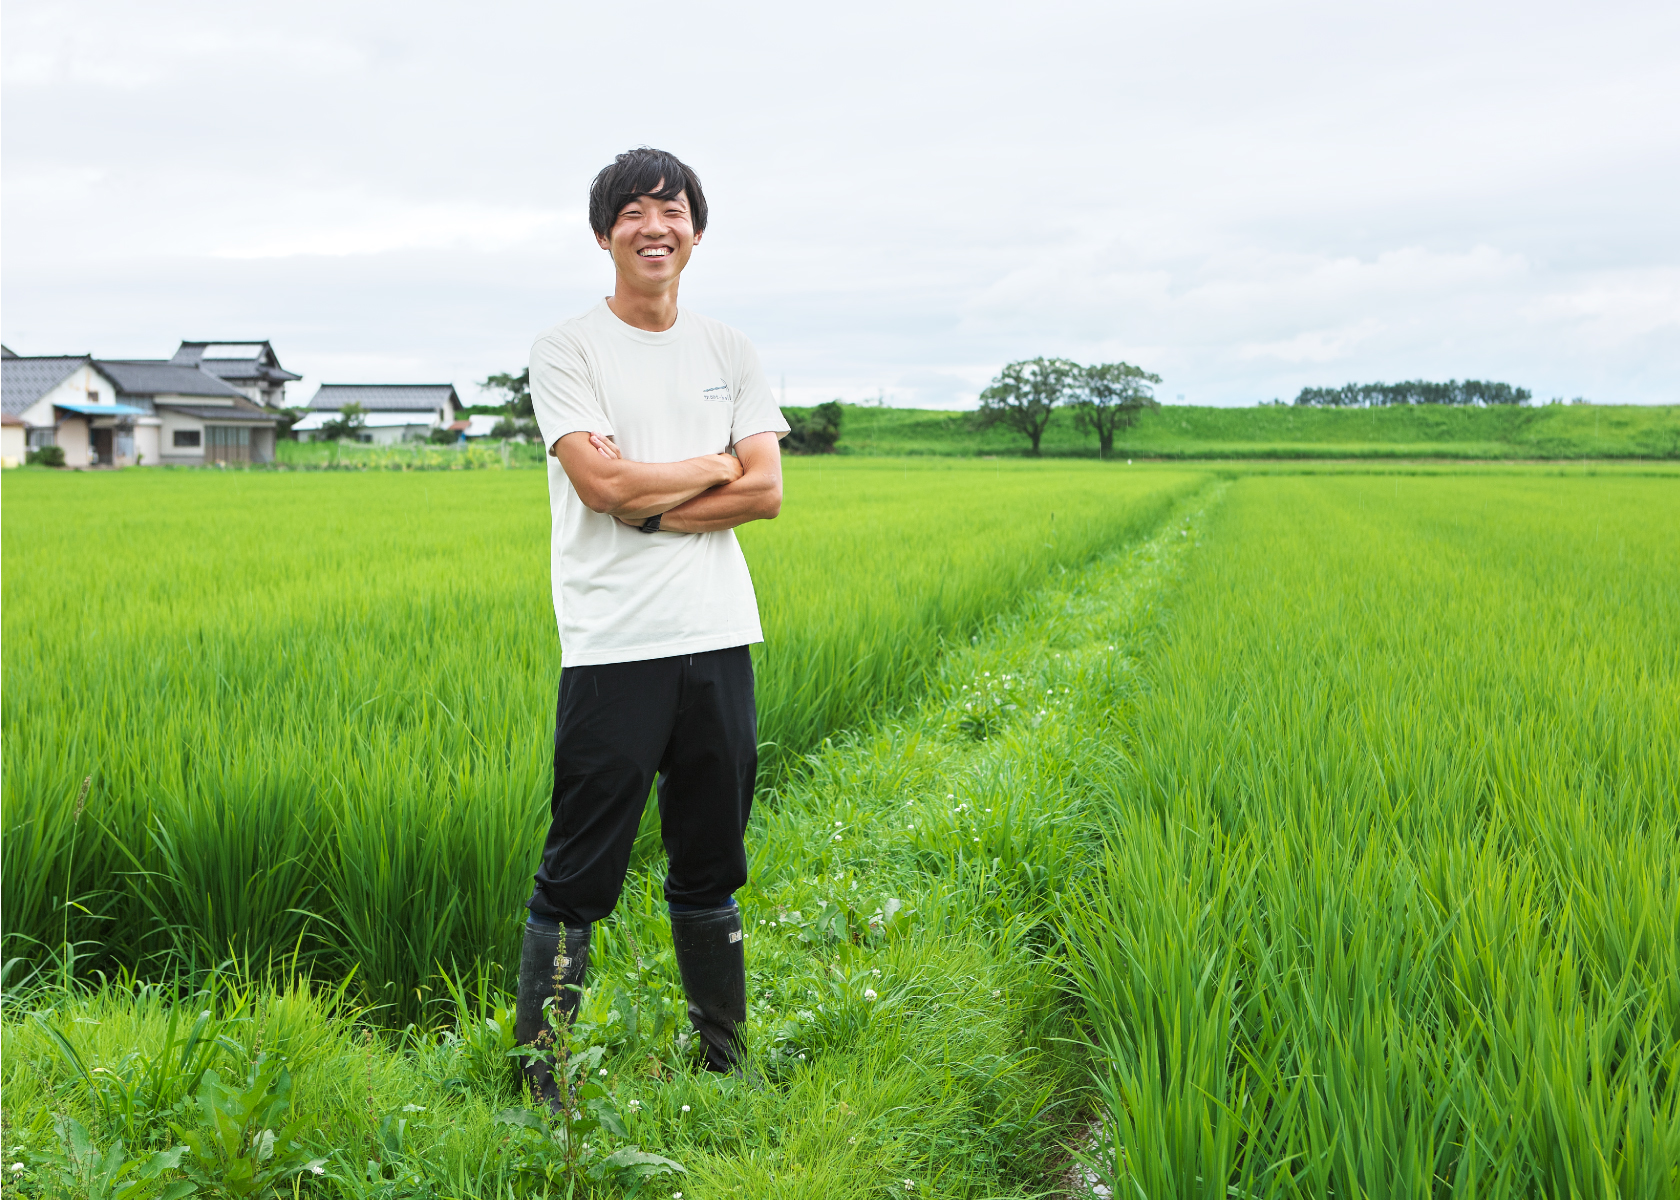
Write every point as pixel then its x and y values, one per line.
pixel 1244 199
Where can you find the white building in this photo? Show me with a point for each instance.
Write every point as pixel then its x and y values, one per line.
pixel 112 412
pixel 251 367
pixel 393 412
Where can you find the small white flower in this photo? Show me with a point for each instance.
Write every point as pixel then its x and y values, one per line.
pixel 950 795
pixel 869 993
pixel 685 1108
pixel 839 824
pixel 801 1057
pixel 837 837
pixel 602 1071
pixel 676 1196
pixel 876 972
pixel 761 922
pixel 909 1185
pixel 997 994
pixel 16 1167
pixel 977 839
pixel 317 1169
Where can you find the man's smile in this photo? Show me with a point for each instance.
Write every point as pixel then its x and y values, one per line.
pixel 654 251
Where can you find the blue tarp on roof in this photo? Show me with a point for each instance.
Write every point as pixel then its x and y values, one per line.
pixel 103 410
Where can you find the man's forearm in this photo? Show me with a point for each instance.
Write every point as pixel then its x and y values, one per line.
pixel 608 483
pixel 642 489
pixel 753 497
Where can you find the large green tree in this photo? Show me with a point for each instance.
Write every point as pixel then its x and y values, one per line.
pixel 1026 394
pixel 348 424
pixel 516 389
pixel 1109 397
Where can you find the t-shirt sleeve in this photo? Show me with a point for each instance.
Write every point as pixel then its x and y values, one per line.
pixel 563 391
pixel 756 410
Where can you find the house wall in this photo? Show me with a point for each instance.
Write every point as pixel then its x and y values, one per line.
pixel 387 435
pixel 168 453
pixel 73 438
pixel 146 442
pixel 84 385
pixel 262 445
pixel 14 445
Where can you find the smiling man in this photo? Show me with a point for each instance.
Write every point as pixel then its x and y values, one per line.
pixel 663 436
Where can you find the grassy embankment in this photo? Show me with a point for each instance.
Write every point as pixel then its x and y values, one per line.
pixel 1558 431
pixel 952 1076
pixel 1391 905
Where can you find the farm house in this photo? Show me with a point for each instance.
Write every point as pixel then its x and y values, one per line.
pixel 130 412
pixel 395 412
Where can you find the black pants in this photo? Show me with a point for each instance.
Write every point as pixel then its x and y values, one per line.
pixel 691 721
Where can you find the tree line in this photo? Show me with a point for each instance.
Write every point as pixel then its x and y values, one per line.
pixel 1026 396
pixel 1473 392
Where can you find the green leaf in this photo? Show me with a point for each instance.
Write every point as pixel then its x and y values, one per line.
pixel 521 1116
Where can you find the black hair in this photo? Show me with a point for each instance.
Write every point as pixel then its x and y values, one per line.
pixel 641 172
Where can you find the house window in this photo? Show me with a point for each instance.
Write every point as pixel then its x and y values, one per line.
pixel 40 435
pixel 187 439
pixel 228 443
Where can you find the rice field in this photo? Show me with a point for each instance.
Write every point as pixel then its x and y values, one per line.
pixel 314 705
pixel 1282 835
pixel 1390 904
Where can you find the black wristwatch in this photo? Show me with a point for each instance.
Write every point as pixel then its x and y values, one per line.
pixel 651 525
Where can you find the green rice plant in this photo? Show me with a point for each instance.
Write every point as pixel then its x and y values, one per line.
pixel 1388 903
pixel 317 709
pixel 901 1005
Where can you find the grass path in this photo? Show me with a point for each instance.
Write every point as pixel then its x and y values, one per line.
pixel 914 1037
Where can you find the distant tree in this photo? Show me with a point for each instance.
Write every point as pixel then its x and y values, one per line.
pixel 1472 392
pixel 815 431
pixel 1109 396
pixel 516 389
pixel 515 430
pixel 285 418
pixel 348 424
pixel 1026 394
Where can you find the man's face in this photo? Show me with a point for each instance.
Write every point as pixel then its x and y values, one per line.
pixel 651 240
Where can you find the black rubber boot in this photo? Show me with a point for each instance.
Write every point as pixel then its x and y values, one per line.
pixel 713 964
pixel 550 972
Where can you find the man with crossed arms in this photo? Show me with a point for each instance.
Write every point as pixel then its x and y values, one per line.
pixel 663 436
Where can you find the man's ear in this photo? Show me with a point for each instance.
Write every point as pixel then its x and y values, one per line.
pixel 698 234
pixel 603 242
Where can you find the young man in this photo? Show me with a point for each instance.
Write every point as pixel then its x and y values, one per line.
pixel 663 435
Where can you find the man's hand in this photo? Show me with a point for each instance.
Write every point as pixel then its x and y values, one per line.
pixel 607 482
pixel 755 495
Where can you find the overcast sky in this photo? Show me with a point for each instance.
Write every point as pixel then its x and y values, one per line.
pixel 1244 198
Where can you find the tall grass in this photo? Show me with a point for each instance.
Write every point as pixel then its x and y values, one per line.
pixel 317 708
pixel 1391 905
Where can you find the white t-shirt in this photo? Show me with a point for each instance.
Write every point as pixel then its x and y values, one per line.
pixel 622 595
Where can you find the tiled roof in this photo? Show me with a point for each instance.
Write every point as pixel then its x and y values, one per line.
pixel 25 380
pixel 260 363
pixel 385 397
pixel 217 416
pixel 155 377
